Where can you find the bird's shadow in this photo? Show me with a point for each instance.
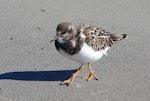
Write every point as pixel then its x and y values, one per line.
pixel 58 75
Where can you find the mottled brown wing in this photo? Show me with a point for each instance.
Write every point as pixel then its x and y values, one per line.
pixel 97 38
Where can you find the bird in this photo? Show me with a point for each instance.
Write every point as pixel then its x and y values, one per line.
pixel 85 44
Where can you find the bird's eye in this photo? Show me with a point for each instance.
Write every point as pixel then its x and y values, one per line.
pixel 64 32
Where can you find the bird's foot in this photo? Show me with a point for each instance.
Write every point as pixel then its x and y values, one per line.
pixel 71 79
pixel 91 76
pixel 68 82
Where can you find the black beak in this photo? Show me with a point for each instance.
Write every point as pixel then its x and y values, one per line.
pixel 55 38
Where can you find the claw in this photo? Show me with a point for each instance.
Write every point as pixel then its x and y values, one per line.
pixel 71 79
pixel 67 82
pixel 92 75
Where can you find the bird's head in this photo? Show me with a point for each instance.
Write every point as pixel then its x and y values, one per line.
pixel 64 32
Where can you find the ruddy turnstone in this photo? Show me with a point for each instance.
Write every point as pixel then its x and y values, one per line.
pixel 85 44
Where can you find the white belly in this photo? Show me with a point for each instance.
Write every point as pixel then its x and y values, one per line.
pixel 86 54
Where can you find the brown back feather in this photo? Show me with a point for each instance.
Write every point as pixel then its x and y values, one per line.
pixel 97 38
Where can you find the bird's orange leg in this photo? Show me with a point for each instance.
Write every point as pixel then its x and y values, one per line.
pixel 71 79
pixel 91 75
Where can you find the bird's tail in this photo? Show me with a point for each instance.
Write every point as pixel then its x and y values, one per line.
pixel 117 37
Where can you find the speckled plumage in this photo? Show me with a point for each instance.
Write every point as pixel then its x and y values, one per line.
pixel 97 38
pixel 84 43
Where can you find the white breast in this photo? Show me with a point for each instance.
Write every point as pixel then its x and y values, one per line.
pixel 86 54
